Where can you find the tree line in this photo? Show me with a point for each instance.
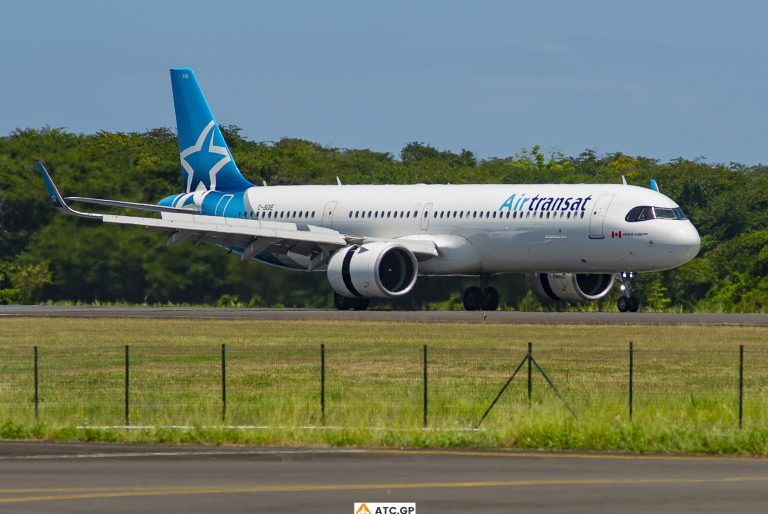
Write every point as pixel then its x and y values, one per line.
pixel 45 256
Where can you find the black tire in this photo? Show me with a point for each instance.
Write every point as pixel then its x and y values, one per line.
pixel 341 302
pixel 360 304
pixel 491 302
pixel 623 304
pixel 474 299
pixel 633 304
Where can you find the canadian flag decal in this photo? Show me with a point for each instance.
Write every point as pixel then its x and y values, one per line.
pixel 616 233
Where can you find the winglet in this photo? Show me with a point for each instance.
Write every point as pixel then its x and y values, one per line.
pixel 655 186
pixel 56 198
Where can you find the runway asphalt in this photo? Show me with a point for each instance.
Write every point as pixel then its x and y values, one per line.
pixel 595 318
pixel 76 478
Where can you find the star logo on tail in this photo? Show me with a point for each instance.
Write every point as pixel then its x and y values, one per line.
pixel 205 156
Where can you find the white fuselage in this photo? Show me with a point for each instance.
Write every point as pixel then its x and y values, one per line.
pixel 481 229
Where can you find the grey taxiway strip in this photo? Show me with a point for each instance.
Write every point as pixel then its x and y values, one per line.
pixel 597 318
pixel 50 477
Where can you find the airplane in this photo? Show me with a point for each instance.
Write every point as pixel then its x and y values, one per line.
pixel 572 241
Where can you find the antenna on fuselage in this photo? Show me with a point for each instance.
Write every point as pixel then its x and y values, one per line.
pixel 338 181
pixel 623 180
pixel 655 186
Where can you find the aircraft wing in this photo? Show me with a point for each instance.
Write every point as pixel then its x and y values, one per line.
pixel 253 236
pixel 130 205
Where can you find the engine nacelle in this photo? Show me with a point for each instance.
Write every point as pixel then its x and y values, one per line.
pixel 570 287
pixel 373 270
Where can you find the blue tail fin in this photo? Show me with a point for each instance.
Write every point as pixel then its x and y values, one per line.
pixel 206 160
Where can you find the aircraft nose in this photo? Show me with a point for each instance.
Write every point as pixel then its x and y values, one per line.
pixel 686 239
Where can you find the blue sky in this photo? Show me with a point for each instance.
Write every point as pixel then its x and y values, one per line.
pixel 655 78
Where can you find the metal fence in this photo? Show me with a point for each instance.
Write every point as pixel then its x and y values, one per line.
pixel 399 385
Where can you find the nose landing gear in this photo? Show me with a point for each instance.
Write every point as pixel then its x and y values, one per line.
pixel 627 303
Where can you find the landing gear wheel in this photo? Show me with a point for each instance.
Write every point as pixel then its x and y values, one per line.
pixel 491 302
pixel 623 304
pixel 632 304
pixel 360 304
pixel 341 302
pixel 474 299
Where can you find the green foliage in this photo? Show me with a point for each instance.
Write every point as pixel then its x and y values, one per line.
pixel 23 283
pixel 89 262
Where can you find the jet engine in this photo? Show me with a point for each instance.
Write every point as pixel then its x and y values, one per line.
pixel 373 270
pixel 570 287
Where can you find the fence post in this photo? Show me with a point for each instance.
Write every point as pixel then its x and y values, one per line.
pixel 322 383
pixel 426 405
pixel 127 384
pixel 223 381
pixel 741 384
pixel 37 384
pixel 530 374
pixel 631 377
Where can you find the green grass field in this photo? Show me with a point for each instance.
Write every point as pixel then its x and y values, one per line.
pixel 685 395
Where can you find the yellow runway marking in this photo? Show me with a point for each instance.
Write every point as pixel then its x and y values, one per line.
pixel 547 455
pixel 106 493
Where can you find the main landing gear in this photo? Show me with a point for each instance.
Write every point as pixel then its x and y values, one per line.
pixel 627 302
pixel 343 303
pixel 483 298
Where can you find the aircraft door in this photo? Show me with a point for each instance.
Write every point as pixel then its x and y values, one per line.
pixel 597 216
pixel 425 214
pixel 330 208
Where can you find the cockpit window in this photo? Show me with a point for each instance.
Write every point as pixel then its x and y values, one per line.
pixel 664 214
pixel 640 213
pixel 679 214
pixel 645 212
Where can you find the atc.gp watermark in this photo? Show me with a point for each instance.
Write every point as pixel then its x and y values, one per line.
pixel 384 508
